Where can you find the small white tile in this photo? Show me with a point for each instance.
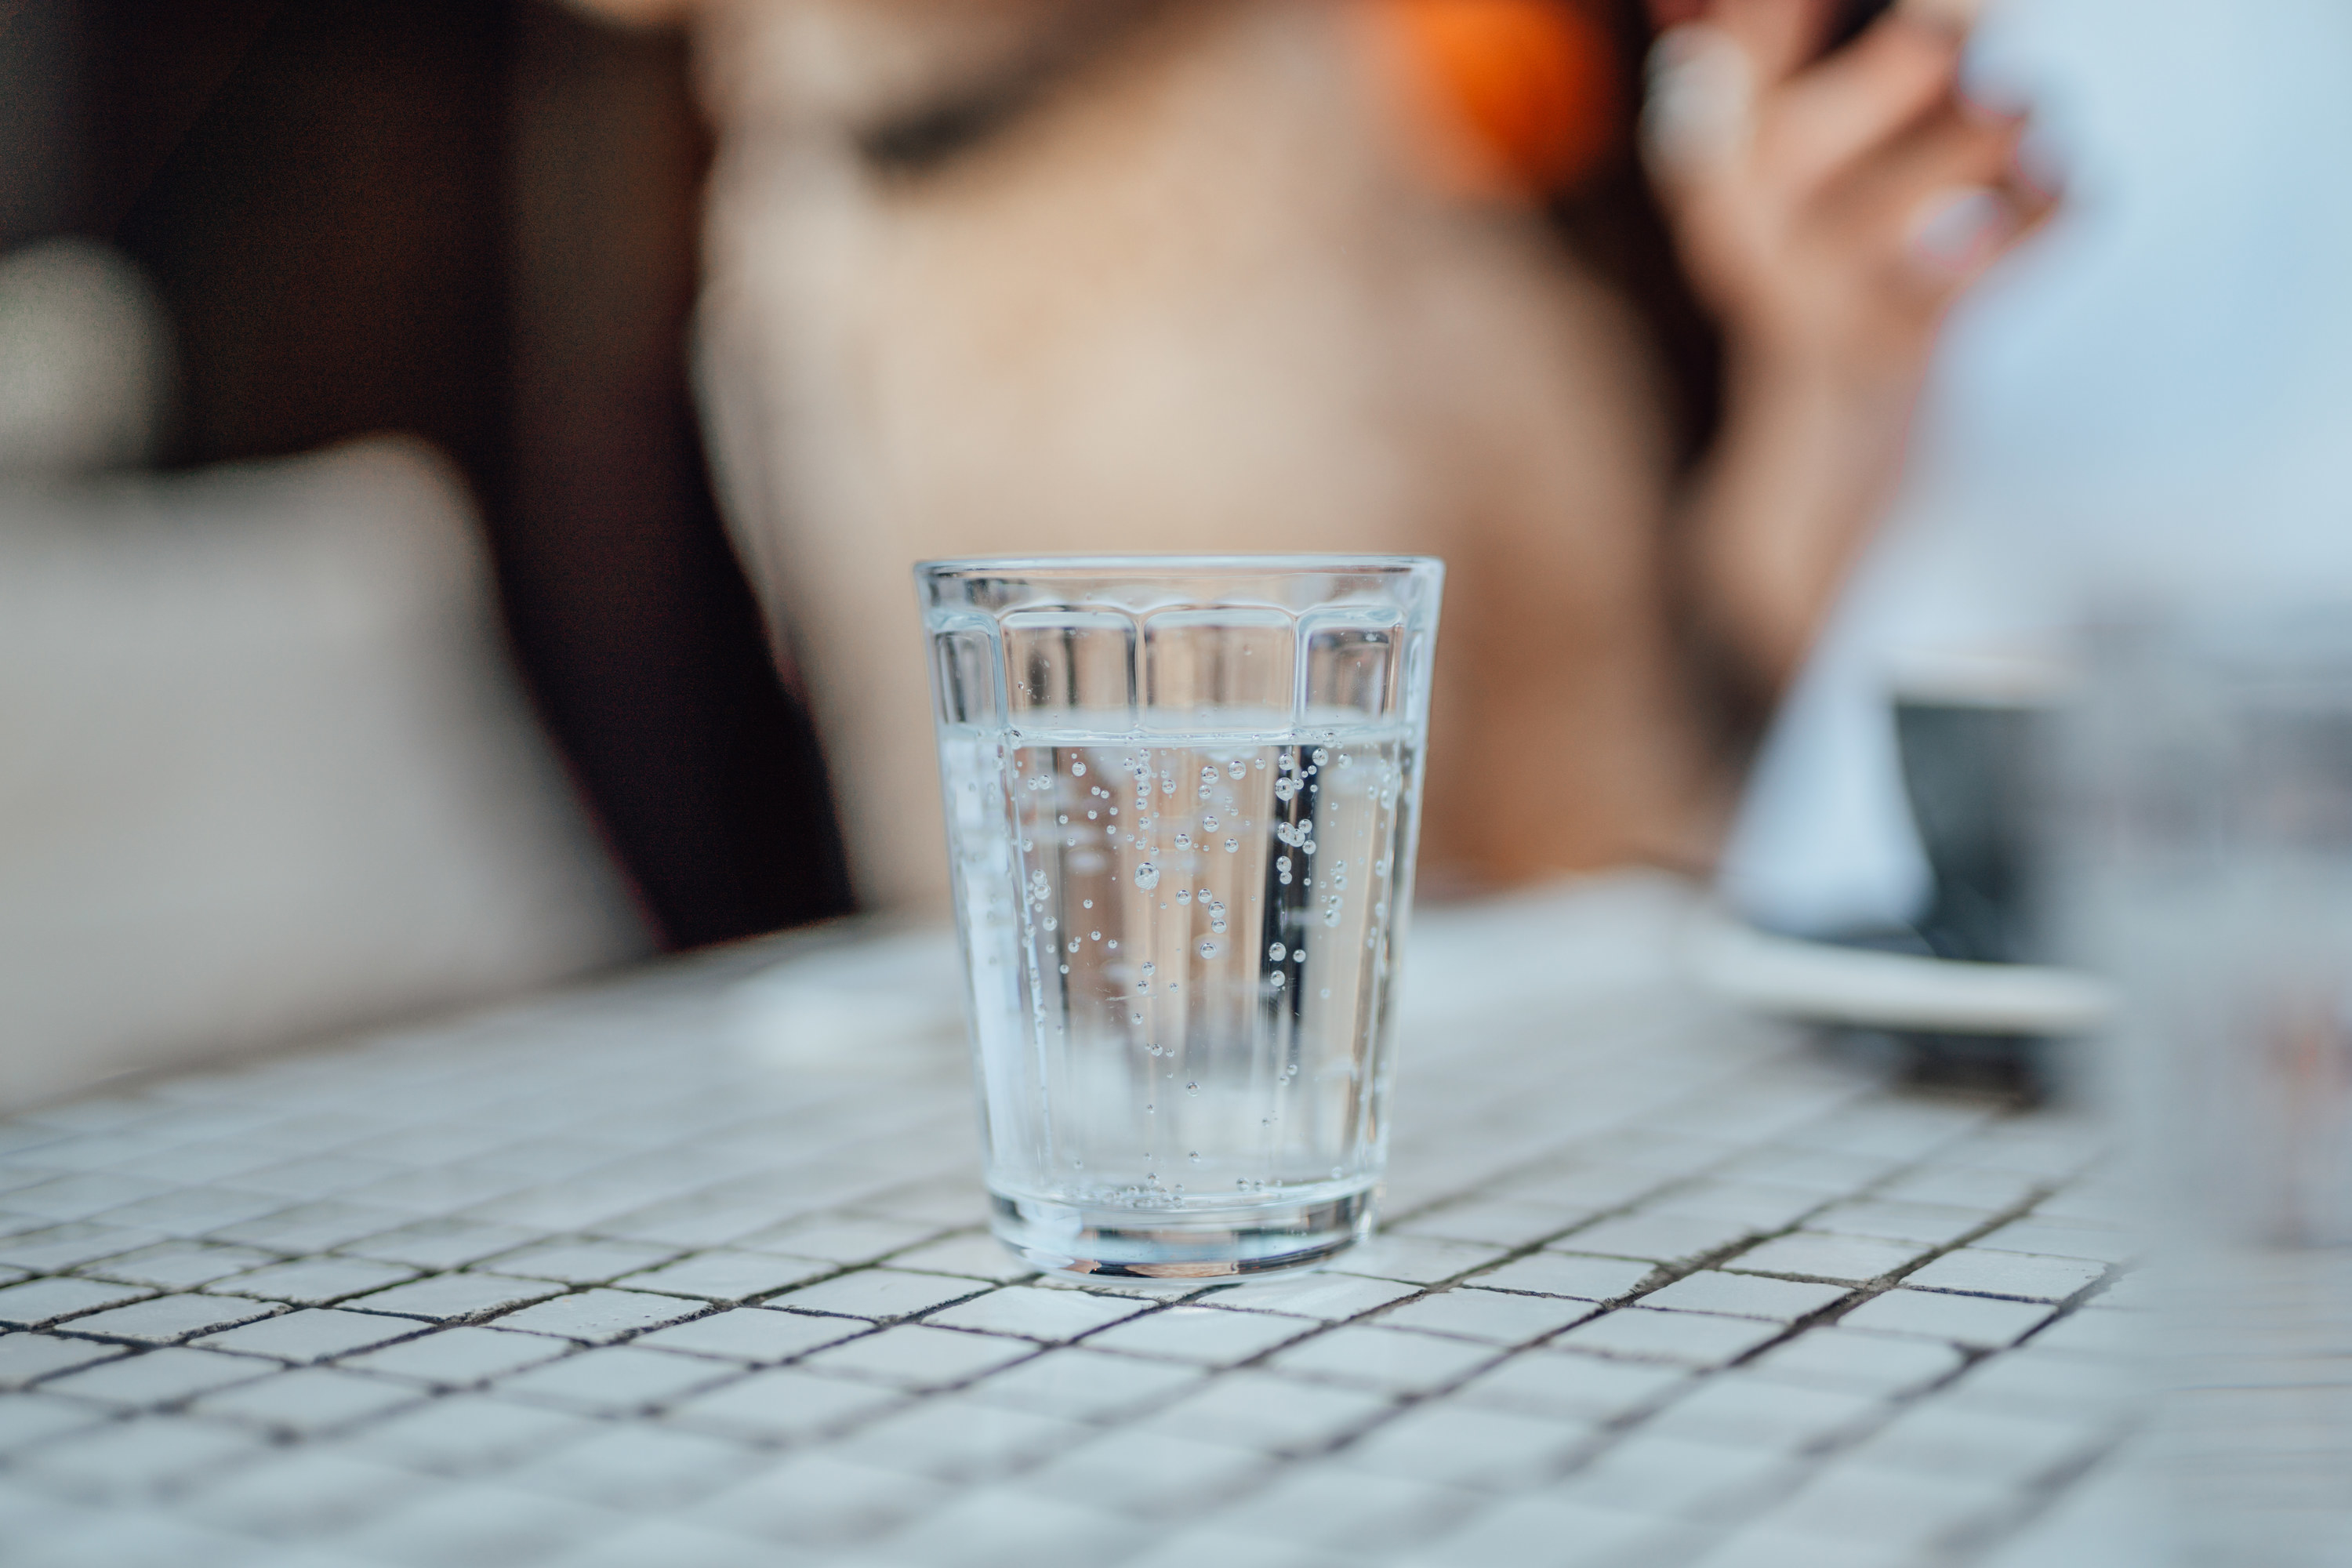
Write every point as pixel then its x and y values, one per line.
pixel 469 1434
pixel 1659 1237
pixel 916 1356
pixel 1818 1255
pixel 73 1245
pixel 311 1334
pixel 1927 1225
pixel 1467 1445
pixel 158 1377
pixel 662 1543
pixel 959 1440
pixel 2058 1238
pixel 1420 1261
pixel 638 1466
pixel 581 1262
pixel 754 1334
pixel 1329 1505
pixel 315 1282
pixel 39 1302
pixel 1580 1388
pixel 1763 1206
pixel 164 1318
pixel 989 1527
pixel 782 1402
pixel 1967 1187
pixel 2002 1448
pixel 25 1358
pixel 1982 1272
pixel 1498 1222
pixel 460 1527
pixel 1202 1335
pixel 1275 1414
pixel 1887 1508
pixel 1148 1473
pixel 82 1196
pixel 1566 1274
pixel 2039 1381
pixel 129 1459
pixel 614 1380
pixel 451 1298
pixel 312 1227
pixel 308 1401
pixel 1756 1413
pixel 1540 1529
pixel 600 1315
pixel 1849 1361
pixel 842 1239
pixel 976 1257
pixel 1671 1477
pixel 458 1357
pixel 180 1265
pixel 1034 1312
pixel 32 1420
pixel 1691 1339
pixel 1383 1359
pixel 449 1242
pixel 1494 1317
pixel 1743 1296
pixel 1328 1297
pixel 878 1294
pixel 816 1502
pixel 1980 1321
pixel 729 1276
pixel 1087 1385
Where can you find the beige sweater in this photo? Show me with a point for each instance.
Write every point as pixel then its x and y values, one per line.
pixel 992 275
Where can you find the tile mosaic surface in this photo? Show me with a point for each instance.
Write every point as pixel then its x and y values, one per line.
pixel 614 1279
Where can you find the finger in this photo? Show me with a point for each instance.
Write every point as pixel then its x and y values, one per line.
pixel 1953 149
pixel 1894 76
pixel 1779 37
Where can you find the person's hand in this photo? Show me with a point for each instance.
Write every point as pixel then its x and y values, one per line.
pixel 1828 210
pixel 1831 209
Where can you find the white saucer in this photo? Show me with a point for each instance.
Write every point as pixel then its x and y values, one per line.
pixel 1822 983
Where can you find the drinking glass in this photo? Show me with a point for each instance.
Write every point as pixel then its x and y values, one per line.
pixel 1182 796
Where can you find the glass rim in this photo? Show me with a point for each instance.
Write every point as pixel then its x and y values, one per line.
pixel 1174 565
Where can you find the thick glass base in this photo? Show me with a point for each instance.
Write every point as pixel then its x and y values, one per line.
pixel 1210 1244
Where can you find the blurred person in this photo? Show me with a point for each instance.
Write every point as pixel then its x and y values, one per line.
pixel 1060 276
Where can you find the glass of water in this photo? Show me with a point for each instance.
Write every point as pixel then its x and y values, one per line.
pixel 1182 796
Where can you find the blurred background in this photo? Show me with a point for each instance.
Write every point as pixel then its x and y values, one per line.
pixel 370 640
pixel 473 223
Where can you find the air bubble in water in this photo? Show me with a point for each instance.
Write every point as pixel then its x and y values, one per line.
pixel 1236 768
pixel 1147 875
pixel 1322 756
pixel 1191 1089
pixel 1194 1156
pixel 1233 845
pixel 1208 950
pixel 1077 770
pixel 1277 952
pixel 1149 967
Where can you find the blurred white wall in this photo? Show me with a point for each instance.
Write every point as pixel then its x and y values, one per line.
pixel 2154 405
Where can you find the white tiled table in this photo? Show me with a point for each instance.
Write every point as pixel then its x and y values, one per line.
pixel 691 1270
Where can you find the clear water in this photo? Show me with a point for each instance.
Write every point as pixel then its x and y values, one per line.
pixel 1180 951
